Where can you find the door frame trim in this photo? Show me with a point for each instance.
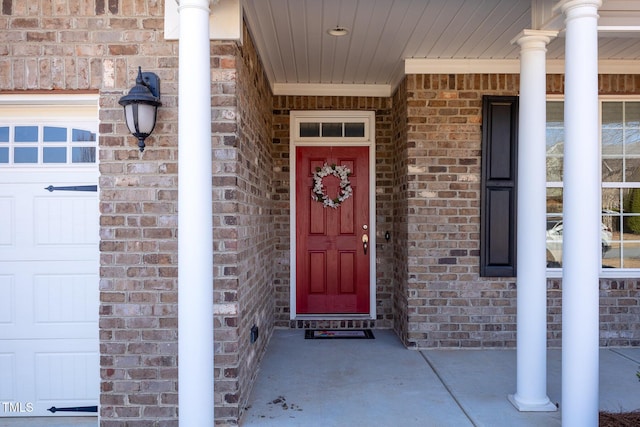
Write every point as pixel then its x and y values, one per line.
pixel 367 141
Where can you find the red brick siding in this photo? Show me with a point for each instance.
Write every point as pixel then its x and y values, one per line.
pixel 449 305
pixel 69 48
pixel 64 46
pixel 244 237
pixel 400 213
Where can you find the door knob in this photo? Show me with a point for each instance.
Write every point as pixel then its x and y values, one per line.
pixel 365 243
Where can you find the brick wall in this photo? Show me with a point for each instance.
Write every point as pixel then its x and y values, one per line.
pixel 282 105
pixel 244 237
pixel 78 46
pixel 400 212
pixel 83 45
pixel 449 305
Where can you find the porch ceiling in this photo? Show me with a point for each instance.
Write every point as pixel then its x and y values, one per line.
pixel 292 40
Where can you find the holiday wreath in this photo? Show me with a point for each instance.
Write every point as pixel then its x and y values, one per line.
pixel 318 192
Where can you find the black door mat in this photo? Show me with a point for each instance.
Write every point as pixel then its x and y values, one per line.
pixel 323 334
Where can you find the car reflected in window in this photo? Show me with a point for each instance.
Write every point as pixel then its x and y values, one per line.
pixel 554 241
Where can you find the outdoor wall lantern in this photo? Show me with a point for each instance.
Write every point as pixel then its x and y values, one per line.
pixel 141 106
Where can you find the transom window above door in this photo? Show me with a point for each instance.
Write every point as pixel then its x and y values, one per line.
pixel 331 130
pixel 336 129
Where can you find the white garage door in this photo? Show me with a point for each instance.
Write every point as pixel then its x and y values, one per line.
pixel 49 271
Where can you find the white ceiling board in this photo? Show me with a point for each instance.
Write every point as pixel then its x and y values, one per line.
pixel 555 48
pixel 300 45
pixel 617 48
pixel 292 40
pixel 315 33
pixel 359 36
pixel 466 20
pixel 439 28
pixel 422 28
pixel 330 18
pixel 375 32
pixel 264 38
pixel 477 40
pixel 514 17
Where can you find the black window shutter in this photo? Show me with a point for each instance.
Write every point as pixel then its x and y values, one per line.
pixel 498 196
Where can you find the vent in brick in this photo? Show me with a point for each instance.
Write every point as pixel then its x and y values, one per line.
pixel 6 7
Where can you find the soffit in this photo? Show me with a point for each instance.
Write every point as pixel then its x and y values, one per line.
pixel 292 40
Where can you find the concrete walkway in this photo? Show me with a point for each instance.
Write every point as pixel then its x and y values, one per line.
pixel 49 422
pixel 380 383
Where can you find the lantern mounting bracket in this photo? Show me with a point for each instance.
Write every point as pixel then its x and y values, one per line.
pixel 152 81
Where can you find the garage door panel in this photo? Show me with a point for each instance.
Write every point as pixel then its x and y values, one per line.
pixel 7 225
pixel 49 226
pixel 7 377
pixel 63 376
pixel 49 296
pixel 49 257
pixel 65 299
pixel 53 253
pixel 50 305
pixel 65 221
pixel 66 377
pixel 8 299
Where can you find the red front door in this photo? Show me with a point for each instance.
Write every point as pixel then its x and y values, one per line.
pixel 332 264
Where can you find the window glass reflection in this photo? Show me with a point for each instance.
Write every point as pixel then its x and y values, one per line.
pixel 79 135
pixel 332 129
pixel 25 134
pixel 611 115
pixel 612 140
pixel 54 155
pixel 632 170
pixel 309 130
pixel 632 114
pixel 354 130
pixel 54 134
pixel 83 155
pixel 612 170
pixel 25 155
pixel 4 134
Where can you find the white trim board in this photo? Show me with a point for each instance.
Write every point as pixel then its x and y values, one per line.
pixel 225 20
pixel 506 66
pixel 441 66
pixel 319 89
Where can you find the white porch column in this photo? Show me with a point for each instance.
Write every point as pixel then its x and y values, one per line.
pixel 581 249
pixel 531 394
pixel 195 240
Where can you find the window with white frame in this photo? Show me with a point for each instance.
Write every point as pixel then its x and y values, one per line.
pixel 345 127
pixel 620 169
pixel 41 131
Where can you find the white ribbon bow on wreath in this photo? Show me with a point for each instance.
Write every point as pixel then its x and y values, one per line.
pixel 318 192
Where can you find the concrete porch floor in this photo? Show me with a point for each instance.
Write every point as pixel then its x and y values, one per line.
pixel 49 421
pixel 380 383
